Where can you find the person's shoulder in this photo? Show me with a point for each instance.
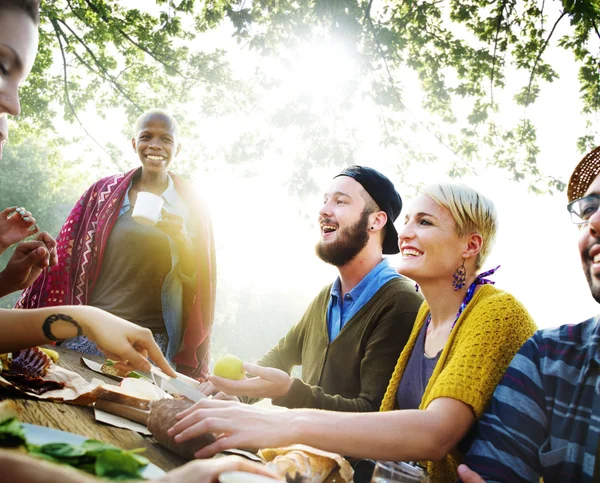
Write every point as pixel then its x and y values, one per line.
pixel 108 181
pixel 496 301
pixel 571 335
pixel 500 313
pixel 398 295
pixel 490 294
pixel 324 292
pixel 402 287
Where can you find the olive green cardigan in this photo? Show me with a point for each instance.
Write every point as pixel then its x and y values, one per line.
pixel 352 372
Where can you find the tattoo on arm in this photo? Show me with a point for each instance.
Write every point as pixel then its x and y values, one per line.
pixel 47 326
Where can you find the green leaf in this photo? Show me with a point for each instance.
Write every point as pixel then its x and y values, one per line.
pixel 119 464
pixel 62 450
pixel 93 447
pixel 12 433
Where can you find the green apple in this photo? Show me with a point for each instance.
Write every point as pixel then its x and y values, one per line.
pixel 229 367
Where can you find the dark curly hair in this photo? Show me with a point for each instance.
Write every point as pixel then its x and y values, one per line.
pixel 30 7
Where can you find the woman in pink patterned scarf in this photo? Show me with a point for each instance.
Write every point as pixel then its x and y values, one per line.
pixel 160 277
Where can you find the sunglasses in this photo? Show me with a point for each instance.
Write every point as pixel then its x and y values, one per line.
pixel 583 209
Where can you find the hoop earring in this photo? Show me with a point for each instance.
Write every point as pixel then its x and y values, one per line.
pixel 459 277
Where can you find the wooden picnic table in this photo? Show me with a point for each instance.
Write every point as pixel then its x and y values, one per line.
pixel 80 419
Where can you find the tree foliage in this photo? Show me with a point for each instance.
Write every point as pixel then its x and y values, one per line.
pixel 461 50
pixel 106 53
pixel 102 54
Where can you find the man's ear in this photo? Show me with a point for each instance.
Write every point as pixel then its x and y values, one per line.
pixel 377 220
pixel 178 149
pixel 133 144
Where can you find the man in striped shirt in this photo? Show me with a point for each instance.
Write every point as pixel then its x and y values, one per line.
pixel 544 417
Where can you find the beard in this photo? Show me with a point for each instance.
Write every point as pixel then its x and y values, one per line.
pixel 593 283
pixel 350 241
pixel 586 263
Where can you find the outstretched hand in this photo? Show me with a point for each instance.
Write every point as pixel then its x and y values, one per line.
pixel 16 224
pixel 174 226
pixel 208 471
pixel 268 382
pixel 123 341
pixel 238 426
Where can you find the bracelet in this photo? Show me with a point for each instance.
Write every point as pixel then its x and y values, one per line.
pixel 46 327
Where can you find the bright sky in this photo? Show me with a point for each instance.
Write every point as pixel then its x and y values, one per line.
pixel 265 237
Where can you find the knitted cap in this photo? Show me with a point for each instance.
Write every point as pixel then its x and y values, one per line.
pixel 583 175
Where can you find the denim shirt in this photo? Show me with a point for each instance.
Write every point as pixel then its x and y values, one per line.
pixel 172 289
pixel 341 310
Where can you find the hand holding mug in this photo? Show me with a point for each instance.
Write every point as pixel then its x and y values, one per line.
pixel 147 209
pixel 173 225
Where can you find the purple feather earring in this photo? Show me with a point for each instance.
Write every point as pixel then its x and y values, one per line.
pixel 459 277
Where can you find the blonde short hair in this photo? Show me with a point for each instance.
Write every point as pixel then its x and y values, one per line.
pixel 472 213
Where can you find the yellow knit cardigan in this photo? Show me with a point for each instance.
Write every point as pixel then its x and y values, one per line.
pixel 484 340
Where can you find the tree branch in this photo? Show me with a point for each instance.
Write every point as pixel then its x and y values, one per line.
pixel 537 59
pixel 66 83
pixel 139 46
pixel 595 27
pixel 494 56
pixel 105 74
pixel 542 15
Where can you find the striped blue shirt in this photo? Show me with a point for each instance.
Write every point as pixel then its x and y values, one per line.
pixel 544 417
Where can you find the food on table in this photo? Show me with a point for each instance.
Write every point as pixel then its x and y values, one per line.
pixel 26 370
pixel 91 456
pixel 132 414
pixel 135 393
pixel 11 432
pixel 8 409
pixel 300 463
pixel 162 418
pixel 229 367
pixel 110 368
pixel 33 361
pixel 51 354
pixel 5 361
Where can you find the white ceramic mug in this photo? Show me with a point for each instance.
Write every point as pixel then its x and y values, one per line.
pixel 147 209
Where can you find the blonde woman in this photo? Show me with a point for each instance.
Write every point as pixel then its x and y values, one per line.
pixel 465 335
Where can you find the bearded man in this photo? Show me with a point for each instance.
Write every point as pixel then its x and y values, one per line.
pixel 352 333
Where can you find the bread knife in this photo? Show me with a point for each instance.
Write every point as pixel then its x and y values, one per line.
pixel 184 384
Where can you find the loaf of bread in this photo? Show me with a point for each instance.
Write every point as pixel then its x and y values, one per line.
pixel 304 464
pixel 119 395
pixel 162 418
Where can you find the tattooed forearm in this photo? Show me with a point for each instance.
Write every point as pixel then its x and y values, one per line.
pixel 47 326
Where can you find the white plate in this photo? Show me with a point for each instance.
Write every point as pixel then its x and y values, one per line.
pixel 41 435
pixel 244 477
